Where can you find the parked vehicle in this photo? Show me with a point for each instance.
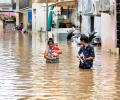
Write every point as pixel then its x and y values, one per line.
pixel 92 36
pixel 96 40
pixel 70 34
pixel 76 38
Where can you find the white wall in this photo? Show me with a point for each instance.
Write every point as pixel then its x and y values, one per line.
pixel 38 19
pixel 97 25
pixel 85 24
pixel 108 31
pixel 74 18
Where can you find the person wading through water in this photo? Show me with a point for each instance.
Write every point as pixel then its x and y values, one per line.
pixel 86 53
pixel 52 52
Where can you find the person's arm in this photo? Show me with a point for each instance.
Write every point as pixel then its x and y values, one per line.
pixel 90 58
pixel 92 54
pixel 79 53
pixel 46 55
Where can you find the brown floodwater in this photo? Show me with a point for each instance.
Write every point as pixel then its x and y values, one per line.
pixel 24 75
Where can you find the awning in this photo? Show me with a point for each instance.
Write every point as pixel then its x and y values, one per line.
pixel 8 13
pixel 43 1
pixel 70 4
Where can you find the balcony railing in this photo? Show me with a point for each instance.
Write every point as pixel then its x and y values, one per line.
pixel 105 6
pixel 67 3
pixel 87 7
pixel 43 1
pixel 97 8
pixel 25 4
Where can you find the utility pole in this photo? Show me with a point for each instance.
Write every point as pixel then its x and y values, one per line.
pixel 46 35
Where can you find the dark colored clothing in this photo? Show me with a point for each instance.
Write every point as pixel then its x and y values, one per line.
pixel 4 23
pixel 87 52
pixel 20 27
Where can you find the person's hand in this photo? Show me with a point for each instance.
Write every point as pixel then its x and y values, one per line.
pixel 55 54
pixel 53 58
pixel 82 57
pixel 79 57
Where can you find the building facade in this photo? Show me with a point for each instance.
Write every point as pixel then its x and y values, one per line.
pixel 100 16
pixel 39 11
pixel 24 12
pixel 108 26
pixel 63 14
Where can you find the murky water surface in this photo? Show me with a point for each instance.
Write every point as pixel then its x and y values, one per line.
pixel 24 75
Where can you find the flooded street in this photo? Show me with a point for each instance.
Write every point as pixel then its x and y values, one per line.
pixel 24 75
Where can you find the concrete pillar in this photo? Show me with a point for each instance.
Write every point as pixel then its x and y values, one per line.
pixel 17 14
pixel 25 18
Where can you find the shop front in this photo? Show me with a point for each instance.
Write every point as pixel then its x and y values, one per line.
pixel 62 14
pixel 64 18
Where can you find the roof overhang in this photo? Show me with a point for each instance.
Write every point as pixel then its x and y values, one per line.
pixel 43 1
pixel 7 11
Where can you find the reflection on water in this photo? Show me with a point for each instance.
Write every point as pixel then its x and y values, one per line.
pixel 24 75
